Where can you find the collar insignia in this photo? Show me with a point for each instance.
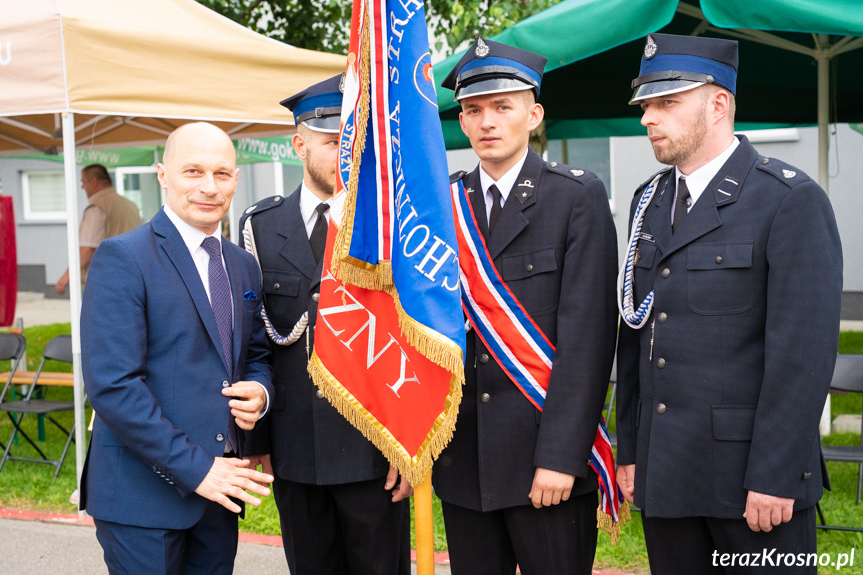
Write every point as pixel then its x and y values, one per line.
pixel 526 184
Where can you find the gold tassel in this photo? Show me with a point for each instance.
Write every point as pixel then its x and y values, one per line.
pixel 604 522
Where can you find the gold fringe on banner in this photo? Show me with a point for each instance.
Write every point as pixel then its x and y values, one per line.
pixel 413 469
pixel 604 522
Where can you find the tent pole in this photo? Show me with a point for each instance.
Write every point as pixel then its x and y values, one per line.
pixel 71 181
pixel 823 114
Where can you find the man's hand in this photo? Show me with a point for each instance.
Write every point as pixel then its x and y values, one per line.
pixel 251 399
pixel 264 462
pixel 763 512
pixel 550 487
pixel 626 481
pixel 404 489
pixel 62 283
pixel 228 477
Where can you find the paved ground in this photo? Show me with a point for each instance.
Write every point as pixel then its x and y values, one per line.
pixel 38 547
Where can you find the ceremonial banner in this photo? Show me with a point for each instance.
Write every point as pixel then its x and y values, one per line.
pixel 389 339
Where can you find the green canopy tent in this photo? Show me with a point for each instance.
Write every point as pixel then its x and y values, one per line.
pixel 800 62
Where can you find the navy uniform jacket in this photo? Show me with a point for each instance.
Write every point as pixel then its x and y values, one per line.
pixel 152 359
pixel 746 310
pixel 555 246
pixel 309 441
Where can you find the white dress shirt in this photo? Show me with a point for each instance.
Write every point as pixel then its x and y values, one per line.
pixel 193 238
pixel 308 204
pixel 697 181
pixel 504 184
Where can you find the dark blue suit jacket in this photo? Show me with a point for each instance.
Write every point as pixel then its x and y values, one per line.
pixel 154 374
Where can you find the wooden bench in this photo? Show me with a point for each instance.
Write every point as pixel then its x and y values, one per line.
pixel 45 378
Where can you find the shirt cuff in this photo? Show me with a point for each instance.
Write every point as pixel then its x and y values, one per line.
pixel 266 409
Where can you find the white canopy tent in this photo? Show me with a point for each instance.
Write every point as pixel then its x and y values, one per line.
pixel 121 73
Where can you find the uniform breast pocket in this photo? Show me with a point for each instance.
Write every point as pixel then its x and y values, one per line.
pixel 532 280
pixel 281 283
pixel 720 278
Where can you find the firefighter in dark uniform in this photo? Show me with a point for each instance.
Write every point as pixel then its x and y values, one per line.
pixel 331 484
pixel 515 483
pixel 730 295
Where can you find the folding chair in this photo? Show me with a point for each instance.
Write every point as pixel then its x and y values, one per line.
pixel 59 349
pixel 12 346
pixel 848 378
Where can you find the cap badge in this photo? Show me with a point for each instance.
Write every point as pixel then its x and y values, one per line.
pixel 342 83
pixel 649 48
pixel 482 48
pixel 577 173
pixel 789 174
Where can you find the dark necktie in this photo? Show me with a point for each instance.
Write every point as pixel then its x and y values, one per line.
pixel 495 208
pixel 318 239
pixel 220 300
pixel 681 205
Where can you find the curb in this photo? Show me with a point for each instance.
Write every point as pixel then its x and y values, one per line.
pixel 272 540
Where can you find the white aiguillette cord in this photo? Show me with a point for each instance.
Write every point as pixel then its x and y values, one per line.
pixel 301 326
pixel 635 318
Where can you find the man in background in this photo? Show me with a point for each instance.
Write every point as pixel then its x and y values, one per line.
pixel 109 214
pixel 331 483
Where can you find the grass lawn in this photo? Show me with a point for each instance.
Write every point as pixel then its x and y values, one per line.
pixel 28 485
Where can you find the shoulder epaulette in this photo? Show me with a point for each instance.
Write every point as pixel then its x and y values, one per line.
pixel 261 206
pixel 646 182
pixel 577 174
pixel 785 173
pixel 453 178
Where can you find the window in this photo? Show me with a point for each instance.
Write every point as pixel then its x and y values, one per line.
pixel 44 196
pixel 141 185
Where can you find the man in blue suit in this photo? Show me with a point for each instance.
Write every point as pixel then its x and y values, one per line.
pixel 175 359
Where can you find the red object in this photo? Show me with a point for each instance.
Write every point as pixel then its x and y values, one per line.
pixel 8 262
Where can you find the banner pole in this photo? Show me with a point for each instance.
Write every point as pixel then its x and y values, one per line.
pixel 423 527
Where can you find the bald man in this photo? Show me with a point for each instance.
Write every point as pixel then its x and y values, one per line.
pixel 175 358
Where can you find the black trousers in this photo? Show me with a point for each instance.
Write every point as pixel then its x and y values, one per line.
pixel 696 545
pixel 555 540
pixel 348 529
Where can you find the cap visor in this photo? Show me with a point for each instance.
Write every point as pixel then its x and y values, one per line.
pixel 492 86
pixel 662 88
pixel 329 124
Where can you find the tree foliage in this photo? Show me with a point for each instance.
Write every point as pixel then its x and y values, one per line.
pixel 325 24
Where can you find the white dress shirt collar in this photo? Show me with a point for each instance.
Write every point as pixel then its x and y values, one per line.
pixel 308 204
pixel 504 184
pixel 697 181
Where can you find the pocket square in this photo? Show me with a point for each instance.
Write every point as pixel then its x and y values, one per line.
pixel 249 295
